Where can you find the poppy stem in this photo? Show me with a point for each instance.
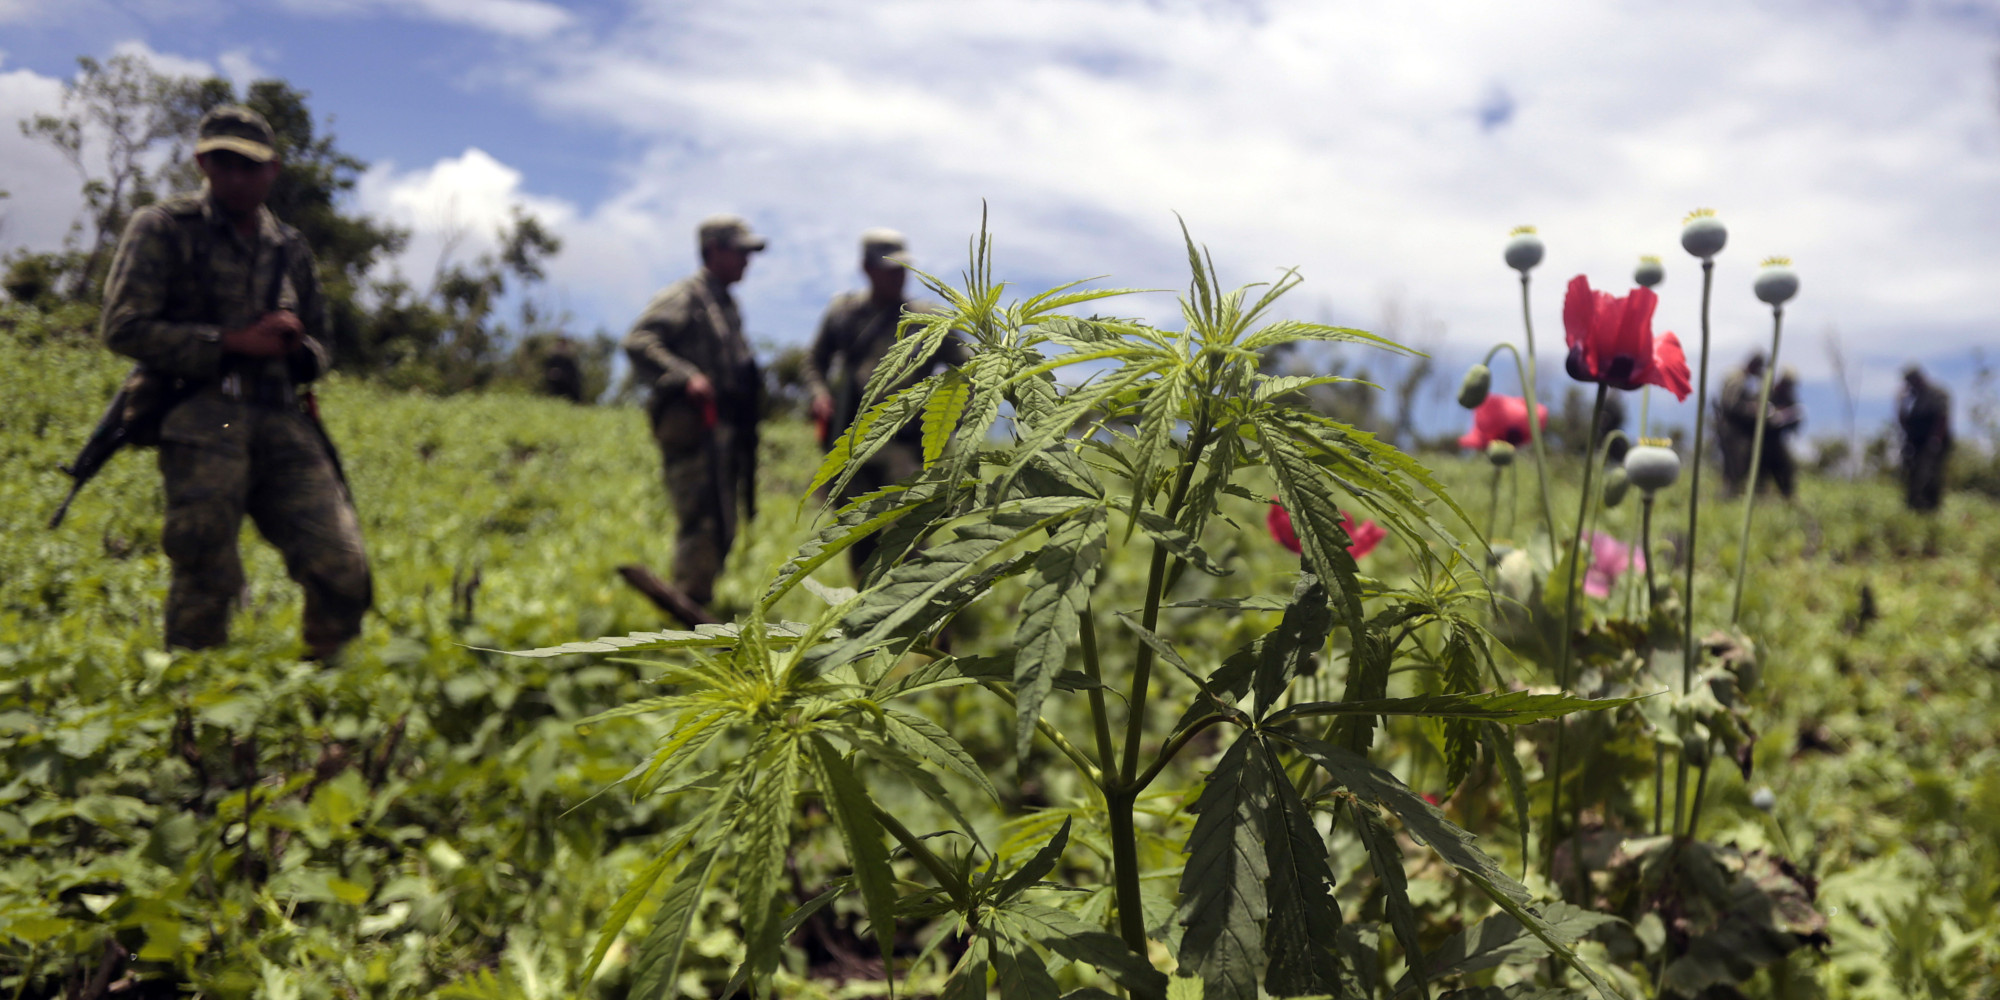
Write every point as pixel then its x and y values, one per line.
pixel 1493 512
pixel 1694 524
pixel 1756 462
pixel 1534 423
pixel 1659 752
pixel 1569 615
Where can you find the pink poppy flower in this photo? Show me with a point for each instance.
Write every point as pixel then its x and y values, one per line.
pixel 1501 418
pixel 1609 559
pixel 1361 538
pixel 1611 341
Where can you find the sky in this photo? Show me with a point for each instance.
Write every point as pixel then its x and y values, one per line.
pixel 1384 150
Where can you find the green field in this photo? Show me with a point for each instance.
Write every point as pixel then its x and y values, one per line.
pixel 423 817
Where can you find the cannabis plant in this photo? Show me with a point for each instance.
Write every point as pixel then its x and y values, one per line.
pixel 1063 448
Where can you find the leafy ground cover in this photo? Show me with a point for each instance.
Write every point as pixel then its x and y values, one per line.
pixel 423 820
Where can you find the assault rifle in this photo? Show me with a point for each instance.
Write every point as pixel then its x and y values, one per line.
pixel 114 430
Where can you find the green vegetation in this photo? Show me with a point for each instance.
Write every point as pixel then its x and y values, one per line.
pixel 422 819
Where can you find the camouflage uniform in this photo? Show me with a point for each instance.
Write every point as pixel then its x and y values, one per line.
pixel 1736 430
pixel 238 441
pixel 1923 412
pixel 690 328
pixel 562 377
pixel 854 335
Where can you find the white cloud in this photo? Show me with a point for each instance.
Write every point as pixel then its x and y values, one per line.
pixel 527 19
pixel 42 188
pixel 1357 141
pixel 454 208
pixel 241 67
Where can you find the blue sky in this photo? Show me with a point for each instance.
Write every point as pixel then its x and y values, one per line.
pixel 1385 149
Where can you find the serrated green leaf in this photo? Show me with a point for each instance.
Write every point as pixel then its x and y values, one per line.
pixel 929 741
pixel 1038 866
pixel 702 637
pixel 941 413
pixel 1452 843
pixel 1386 858
pixel 764 824
pixel 854 815
pixel 657 961
pixel 1288 650
pixel 1020 973
pixel 1078 940
pixel 872 429
pixel 1170 536
pixel 1058 590
pixel 1508 707
pixel 1502 750
pixel 968 981
pixel 1501 940
pixel 1223 904
pixel 935 582
pixel 1304 917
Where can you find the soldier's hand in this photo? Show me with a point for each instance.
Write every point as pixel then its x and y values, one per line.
pixel 273 336
pixel 288 324
pixel 822 407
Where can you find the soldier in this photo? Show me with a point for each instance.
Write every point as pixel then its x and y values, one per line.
pixel 688 345
pixel 1776 465
pixel 857 331
pixel 1736 422
pixel 220 304
pixel 561 375
pixel 1923 410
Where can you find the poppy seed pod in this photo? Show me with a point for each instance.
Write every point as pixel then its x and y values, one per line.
pixel 1478 382
pixel 1500 453
pixel 1616 482
pixel 1649 272
pixel 1703 235
pixel 1763 799
pixel 1652 467
pixel 1777 282
pixel 1524 251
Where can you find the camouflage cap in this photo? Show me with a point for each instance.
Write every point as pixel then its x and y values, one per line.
pixel 884 246
pixel 236 129
pixel 730 232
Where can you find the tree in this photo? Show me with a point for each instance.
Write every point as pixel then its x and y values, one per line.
pixel 131 110
pixel 145 122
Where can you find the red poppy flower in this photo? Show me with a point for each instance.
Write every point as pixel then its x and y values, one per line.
pixel 1611 341
pixel 1361 538
pixel 1501 418
pixel 1279 520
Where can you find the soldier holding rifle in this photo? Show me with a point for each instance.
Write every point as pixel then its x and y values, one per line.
pixel 706 397
pixel 220 305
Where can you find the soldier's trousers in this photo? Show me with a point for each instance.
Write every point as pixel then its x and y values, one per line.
pixel 1923 477
pixel 704 481
pixel 222 459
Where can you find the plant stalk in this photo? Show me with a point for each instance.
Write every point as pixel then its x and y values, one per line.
pixel 1125 867
pixel 1756 462
pixel 1569 618
pixel 1694 525
pixel 1119 800
pixel 1100 719
pixel 1535 425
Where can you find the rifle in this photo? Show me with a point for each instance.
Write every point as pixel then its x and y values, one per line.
pixel 113 431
